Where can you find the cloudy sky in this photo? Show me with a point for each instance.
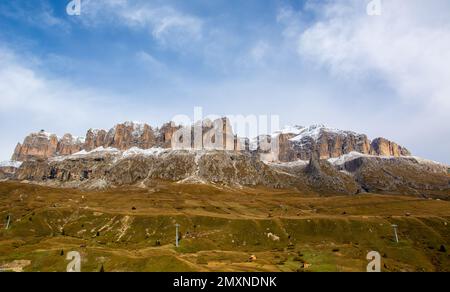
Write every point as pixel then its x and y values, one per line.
pixel 309 62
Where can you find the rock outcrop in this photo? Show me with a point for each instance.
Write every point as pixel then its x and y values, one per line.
pixel 165 134
pixel 301 143
pixel 384 147
pixel 69 145
pixel 122 136
pixel 349 176
pixel 214 135
pixel 128 167
pixel 315 159
pixel 96 138
pixel 8 169
pixel 295 143
pixel 399 175
pixel 38 145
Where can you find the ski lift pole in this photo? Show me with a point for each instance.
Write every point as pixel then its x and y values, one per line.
pixel 177 237
pixel 395 232
pixel 8 220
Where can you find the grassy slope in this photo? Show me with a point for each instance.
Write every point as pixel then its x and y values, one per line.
pixel 221 229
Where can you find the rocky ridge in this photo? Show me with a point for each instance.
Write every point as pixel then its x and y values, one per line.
pixel 301 143
pixel 315 159
pixel 348 175
pixel 293 143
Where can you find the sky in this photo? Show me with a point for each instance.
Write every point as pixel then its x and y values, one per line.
pixel 385 73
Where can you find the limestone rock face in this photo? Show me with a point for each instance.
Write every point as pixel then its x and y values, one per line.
pixel 122 136
pixel 286 148
pixel 303 143
pixel 399 175
pixel 365 173
pixel 292 144
pixel 130 135
pixel 69 145
pixel 384 147
pixel 117 169
pixel 323 177
pixel 36 146
pixel 17 151
pixel 165 134
pixel 94 139
pixel 327 143
pixel 8 169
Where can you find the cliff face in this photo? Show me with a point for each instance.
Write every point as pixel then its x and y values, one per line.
pixel 383 147
pixel 69 145
pixel 123 136
pixel 140 167
pixel 39 145
pixel 302 143
pixel 296 143
pixel 353 175
pixel 8 169
pixel 400 175
pixel 95 139
pixel 7 172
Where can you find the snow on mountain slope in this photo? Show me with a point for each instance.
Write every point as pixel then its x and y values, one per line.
pixel 339 161
pixel 138 128
pixel 315 131
pixel 147 152
pixel 294 130
pixel 15 164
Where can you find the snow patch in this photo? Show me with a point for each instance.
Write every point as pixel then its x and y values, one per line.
pixel 427 161
pixel 315 131
pixel 138 128
pixel 11 163
pixel 84 153
pixel 289 164
pixel 339 161
pixel 294 130
pixel 349 157
pixel 47 135
pixel 79 140
pixel 100 149
pixel 143 152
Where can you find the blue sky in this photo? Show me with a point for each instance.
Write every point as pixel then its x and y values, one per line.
pixel 309 61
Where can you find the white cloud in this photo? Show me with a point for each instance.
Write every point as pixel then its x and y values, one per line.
pixel 408 46
pixel 169 26
pixel 22 88
pixel 30 101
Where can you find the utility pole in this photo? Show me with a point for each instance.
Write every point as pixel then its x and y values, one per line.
pixel 395 232
pixel 8 220
pixel 177 238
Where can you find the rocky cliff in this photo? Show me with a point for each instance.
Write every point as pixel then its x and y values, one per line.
pixel 8 169
pixel 291 144
pixel 41 145
pixel 400 175
pixel 135 166
pixel 312 159
pixel 384 147
pixel 301 143
pixel 348 175
pixel 37 145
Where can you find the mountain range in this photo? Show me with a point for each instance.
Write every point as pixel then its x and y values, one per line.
pixel 314 159
pixel 295 143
